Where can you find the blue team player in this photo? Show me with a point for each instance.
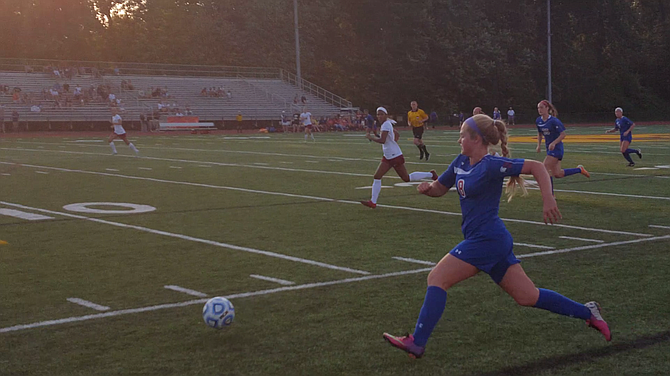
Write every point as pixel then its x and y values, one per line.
pixel 625 127
pixel 370 123
pixel 553 131
pixel 487 247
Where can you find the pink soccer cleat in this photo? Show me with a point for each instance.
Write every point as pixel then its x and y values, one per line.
pixel 406 344
pixel 583 171
pixel 596 321
pixel 369 204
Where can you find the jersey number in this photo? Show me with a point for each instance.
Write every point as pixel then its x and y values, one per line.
pixel 460 185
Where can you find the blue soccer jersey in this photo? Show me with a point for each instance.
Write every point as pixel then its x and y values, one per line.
pixel 550 129
pixel 480 188
pixel 623 124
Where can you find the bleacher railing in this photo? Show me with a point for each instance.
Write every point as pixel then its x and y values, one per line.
pixel 145 69
pixel 313 89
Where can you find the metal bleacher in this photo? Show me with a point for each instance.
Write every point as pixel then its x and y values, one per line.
pixel 257 93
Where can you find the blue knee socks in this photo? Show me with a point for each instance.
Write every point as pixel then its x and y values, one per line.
pixel 431 312
pixel 572 171
pixel 627 156
pixel 557 303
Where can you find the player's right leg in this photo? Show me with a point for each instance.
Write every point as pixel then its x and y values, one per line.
pixel 382 169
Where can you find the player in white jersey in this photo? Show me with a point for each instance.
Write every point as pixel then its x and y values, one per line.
pixel 119 132
pixel 393 157
pixel 306 119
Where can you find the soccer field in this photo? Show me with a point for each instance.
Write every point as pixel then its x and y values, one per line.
pixel 116 284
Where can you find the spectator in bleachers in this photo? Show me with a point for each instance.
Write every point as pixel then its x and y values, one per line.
pixel 35 108
pixel 2 118
pixel 303 99
pixel 188 111
pixel 229 95
pixel 143 123
pixel 111 97
pixel 77 93
pixel 15 120
pixel 178 113
pixel 203 92
pixel 295 99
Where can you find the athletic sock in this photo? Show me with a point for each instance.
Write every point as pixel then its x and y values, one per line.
pixel 416 176
pixel 627 156
pixel 133 148
pixel 376 188
pixel 572 171
pixel 633 151
pixel 312 135
pixel 431 312
pixel 557 303
pixel 111 144
pixel 420 151
pixel 424 149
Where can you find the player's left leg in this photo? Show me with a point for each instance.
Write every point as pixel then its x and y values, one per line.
pixel 401 170
pixel 517 284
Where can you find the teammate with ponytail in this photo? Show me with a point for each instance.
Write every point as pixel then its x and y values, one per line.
pixel 487 247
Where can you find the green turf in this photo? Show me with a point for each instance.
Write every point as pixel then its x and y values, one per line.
pixel 282 195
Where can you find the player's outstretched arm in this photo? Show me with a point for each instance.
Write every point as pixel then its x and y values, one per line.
pixel 539 172
pixel 434 189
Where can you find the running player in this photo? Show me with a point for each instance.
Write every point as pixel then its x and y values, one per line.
pixel 393 158
pixel 625 127
pixel 119 132
pixel 306 119
pixel 295 122
pixel 416 119
pixel 553 131
pixel 488 245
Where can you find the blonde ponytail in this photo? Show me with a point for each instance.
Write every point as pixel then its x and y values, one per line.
pixel 515 182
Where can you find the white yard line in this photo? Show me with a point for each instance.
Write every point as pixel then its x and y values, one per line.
pixel 582 239
pixel 88 304
pixel 216 163
pixel 319 198
pixel 23 215
pixel 608 194
pixel 415 261
pixel 533 245
pixel 145 168
pixel 42 172
pixel 288 288
pixel 270 279
pixel 659 226
pixel 185 290
pixel 177 167
pixel 593 246
pixel 193 239
pixel 111 169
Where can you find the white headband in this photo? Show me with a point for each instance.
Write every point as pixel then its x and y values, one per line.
pixel 618 109
pixel 382 109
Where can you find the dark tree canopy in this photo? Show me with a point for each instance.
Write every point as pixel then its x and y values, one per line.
pixel 447 54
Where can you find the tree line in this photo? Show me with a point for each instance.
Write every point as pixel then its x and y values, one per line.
pixel 447 54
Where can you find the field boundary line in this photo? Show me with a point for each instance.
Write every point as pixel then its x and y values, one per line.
pixel 193 239
pixel 324 199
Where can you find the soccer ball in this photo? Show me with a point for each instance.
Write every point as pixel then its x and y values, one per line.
pixel 218 312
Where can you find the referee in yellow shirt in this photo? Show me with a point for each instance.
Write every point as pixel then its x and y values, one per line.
pixel 416 118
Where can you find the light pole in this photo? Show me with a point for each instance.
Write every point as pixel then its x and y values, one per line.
pixel 549 50
pixel 297 42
